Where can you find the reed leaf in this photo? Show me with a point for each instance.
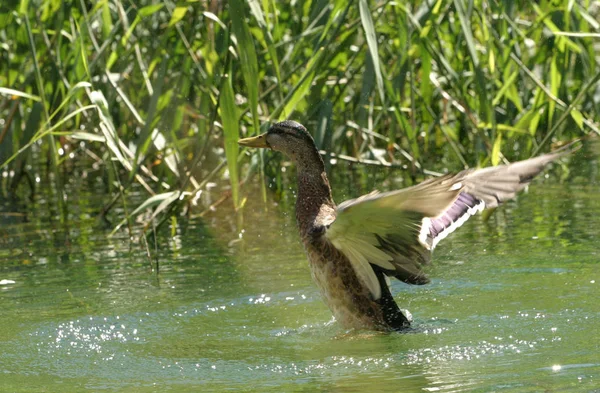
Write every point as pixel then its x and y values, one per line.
pixel 247 52
pixel 163 199
pixel 371 36
pixel 231 134
pixel 146 134
pixel 16 93
pixel 300 89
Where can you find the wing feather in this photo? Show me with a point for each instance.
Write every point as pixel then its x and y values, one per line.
pixel 382 229
pixel 397 230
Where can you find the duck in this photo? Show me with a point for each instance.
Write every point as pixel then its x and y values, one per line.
pixel 354 248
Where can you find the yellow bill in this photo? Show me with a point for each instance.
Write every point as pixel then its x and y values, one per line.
pixel 255 141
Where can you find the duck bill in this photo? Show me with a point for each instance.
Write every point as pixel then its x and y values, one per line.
pixel 255 141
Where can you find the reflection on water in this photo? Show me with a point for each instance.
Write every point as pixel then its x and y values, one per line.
pixel 513 305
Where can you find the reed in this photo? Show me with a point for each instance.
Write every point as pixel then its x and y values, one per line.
pixel 157 92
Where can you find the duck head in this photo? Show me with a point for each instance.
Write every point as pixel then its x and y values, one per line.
pixel 288 137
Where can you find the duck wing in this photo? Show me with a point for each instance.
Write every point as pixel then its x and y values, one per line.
pixel 382 229
pixel 396 231
pixel 482 189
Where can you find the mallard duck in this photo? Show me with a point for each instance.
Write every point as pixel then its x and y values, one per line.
pixel 354 247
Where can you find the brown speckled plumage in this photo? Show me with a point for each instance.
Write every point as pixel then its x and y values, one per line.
pixel 348 299
pixel 351 248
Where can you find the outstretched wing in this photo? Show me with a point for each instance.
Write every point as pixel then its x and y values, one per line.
pixel 397 230
pixel 383 229
pixel 482 189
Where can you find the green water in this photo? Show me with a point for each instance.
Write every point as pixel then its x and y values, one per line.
pixel 514 304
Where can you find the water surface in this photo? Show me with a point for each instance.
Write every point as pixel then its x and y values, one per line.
pixel 513 305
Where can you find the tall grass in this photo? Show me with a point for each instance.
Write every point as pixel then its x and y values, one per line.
pixel 157 92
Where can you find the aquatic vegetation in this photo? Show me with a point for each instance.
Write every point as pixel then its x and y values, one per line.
pixel 150 97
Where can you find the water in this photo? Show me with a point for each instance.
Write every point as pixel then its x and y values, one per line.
pixel 513 305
